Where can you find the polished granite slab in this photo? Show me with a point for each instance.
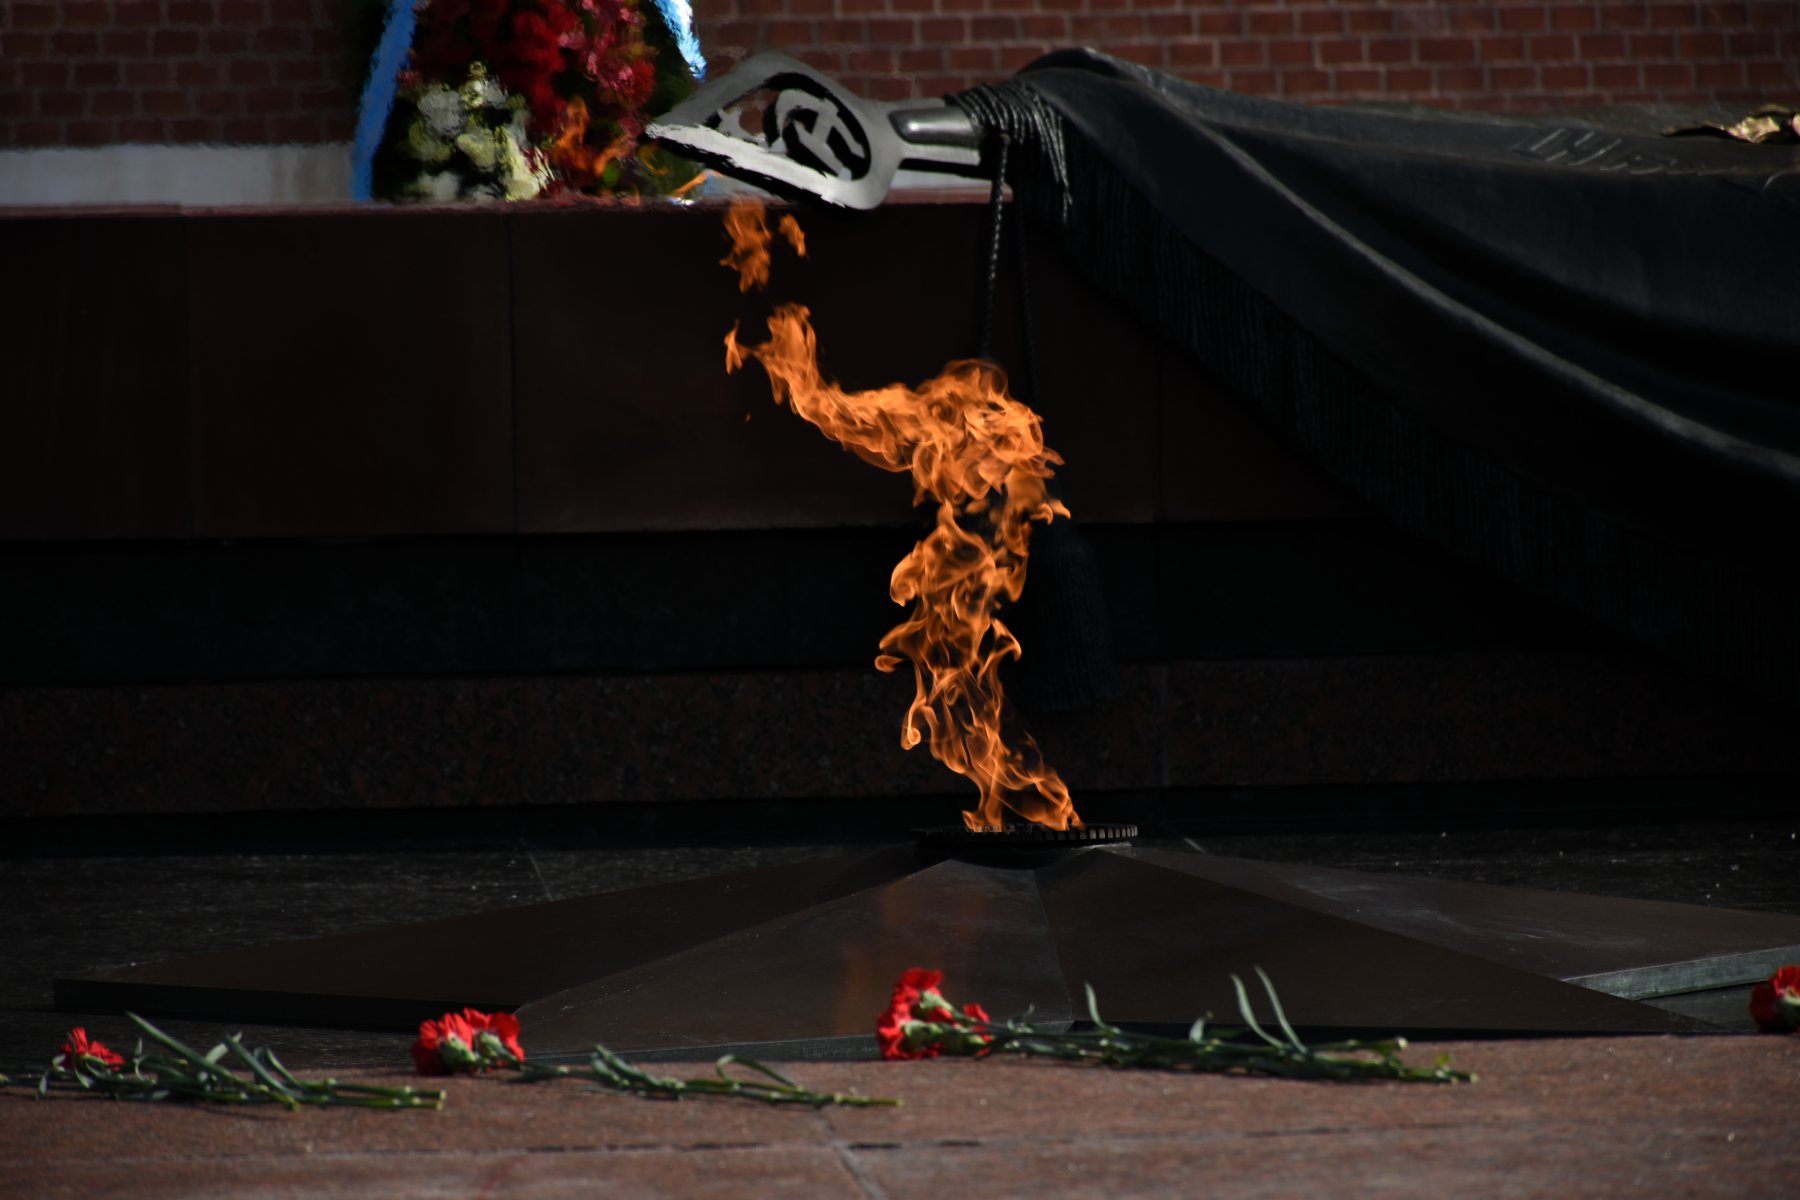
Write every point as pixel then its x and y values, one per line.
pixel 64 912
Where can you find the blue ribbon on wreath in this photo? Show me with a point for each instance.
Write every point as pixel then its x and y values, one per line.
pixel 377 101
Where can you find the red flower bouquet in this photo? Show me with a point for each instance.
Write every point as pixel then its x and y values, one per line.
pixel 467 1043
pixel 920 1023
pixel 80 1050
pixel 165 1069
pixel 472 1041
pixel 555 97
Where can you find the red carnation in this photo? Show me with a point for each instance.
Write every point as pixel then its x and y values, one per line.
pixel 635 83
pixel 920 1023
pixel 503 1026
pixel 448 1036
pixel 971 1042
pixel 1776 1004
pixel 891 1026
pixel 918 979
pixel 530 60
pixel 466 1043
pixel 79 1047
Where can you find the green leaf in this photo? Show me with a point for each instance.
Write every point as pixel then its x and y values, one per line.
pixel 1243 999
pixel 1093 1007
pixel 268 1079
pixel 1280 1016
pixel 274 1063
pixel 157 1035
pixel 754 1065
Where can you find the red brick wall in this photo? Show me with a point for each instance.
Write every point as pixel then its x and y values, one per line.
pixel 92 72
pixel 1455 53
pixel 97 72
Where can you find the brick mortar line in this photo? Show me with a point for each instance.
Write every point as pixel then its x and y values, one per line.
pixel 1028 1141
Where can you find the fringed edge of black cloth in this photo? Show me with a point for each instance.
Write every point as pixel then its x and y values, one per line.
pixel 1611 425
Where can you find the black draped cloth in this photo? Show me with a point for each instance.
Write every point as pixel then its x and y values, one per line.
pixel 1567 351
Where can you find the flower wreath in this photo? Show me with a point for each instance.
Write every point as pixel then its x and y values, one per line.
pixel 508 99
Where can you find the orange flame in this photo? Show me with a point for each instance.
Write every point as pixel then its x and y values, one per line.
pixel 980 455
pixel 571 152
pixel 699 178
pixel 747 225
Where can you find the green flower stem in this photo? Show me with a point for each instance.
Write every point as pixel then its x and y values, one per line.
pixel 179 1072
pixel 1284 1055
pixel 615 1074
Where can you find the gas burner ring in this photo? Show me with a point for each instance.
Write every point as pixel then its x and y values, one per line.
pixel 1024 837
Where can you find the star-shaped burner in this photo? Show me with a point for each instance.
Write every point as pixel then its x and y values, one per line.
pixel 796 961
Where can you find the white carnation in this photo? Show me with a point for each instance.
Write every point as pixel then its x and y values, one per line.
pixel 436 186
pixel 480 146
pixel 442 111
pixel 423 146
pixel 522 180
